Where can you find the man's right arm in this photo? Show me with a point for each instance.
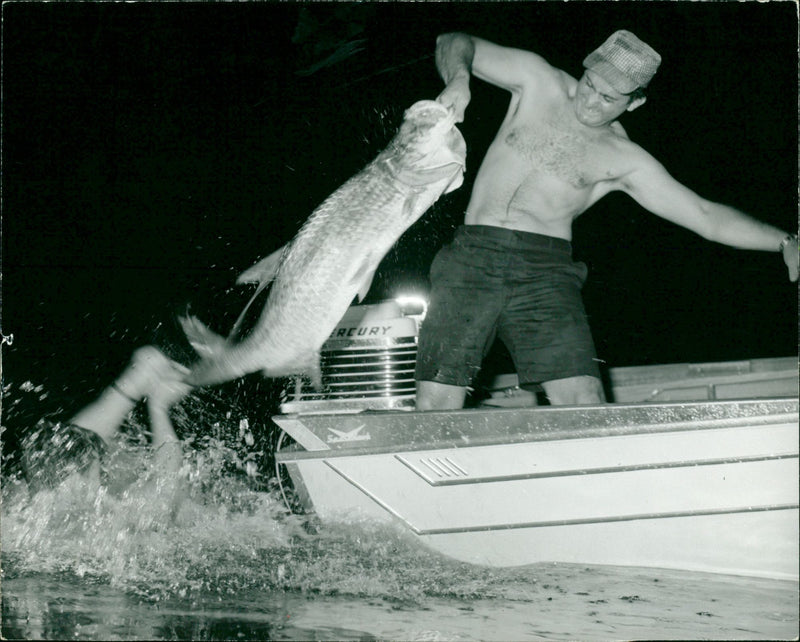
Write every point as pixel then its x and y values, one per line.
pixel 454 55
pixel 459 55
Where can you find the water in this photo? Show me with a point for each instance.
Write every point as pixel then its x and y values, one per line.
pixel 63 609
pixel 125 561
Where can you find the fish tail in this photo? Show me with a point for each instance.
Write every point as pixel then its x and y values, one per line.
pixel 220 360
pixel 205 342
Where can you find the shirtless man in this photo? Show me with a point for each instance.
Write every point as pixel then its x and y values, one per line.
pixel 509 271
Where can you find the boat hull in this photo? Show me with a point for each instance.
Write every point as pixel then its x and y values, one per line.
pixel 709 486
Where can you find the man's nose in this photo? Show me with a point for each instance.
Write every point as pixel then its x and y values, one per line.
pixel 593 100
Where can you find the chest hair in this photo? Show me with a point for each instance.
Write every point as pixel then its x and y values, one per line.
pixel 553 151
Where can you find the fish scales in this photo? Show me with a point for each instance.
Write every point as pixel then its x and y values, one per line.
pixel 333 257
pixel 322 271
pixel 294 318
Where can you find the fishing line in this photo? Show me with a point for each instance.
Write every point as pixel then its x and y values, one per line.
pixel 384 71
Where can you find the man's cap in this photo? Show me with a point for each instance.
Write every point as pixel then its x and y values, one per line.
pixel 624 61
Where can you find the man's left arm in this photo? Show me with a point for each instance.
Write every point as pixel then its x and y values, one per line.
pixel 656 190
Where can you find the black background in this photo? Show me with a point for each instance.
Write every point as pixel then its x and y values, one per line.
pixel 152 151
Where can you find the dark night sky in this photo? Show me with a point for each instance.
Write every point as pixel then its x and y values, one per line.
pixel 152 151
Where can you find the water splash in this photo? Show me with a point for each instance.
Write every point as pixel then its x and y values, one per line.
pixel 213 553
pixel 218 526
pixel 208 531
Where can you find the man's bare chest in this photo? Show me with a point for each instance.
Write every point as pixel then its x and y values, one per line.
pixel 558 152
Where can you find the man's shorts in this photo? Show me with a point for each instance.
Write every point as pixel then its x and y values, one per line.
pixel 521 287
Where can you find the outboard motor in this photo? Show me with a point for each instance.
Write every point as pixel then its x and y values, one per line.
pixel 367 363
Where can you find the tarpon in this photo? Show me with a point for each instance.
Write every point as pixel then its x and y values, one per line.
pixel 334 256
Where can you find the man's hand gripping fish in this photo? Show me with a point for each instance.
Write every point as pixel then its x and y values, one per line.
pixel 335 254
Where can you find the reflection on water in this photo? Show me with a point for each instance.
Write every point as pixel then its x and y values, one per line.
pixel 542 602
pixel 87 560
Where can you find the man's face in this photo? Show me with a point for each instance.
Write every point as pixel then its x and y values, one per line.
pixel 597 103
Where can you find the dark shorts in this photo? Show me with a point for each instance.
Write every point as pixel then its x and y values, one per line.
pixel 521 287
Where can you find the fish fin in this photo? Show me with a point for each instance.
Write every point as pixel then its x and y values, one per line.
pixel 238 325
pixel 312 369
pixel 315 372
pixel 364 276
pixel 365 286
pixel 205 342
pixel 458 181
pixel 419 177
pixel 264 271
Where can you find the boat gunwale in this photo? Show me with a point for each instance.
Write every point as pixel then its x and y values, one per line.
pixel 346 448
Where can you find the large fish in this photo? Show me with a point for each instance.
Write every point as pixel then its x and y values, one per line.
pixel 333 258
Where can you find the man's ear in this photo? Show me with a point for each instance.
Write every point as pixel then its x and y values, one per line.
pixel 636 102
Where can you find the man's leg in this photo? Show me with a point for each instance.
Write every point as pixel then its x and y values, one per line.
pixel 466 299
pixel 105 415
pixel 167 482
pixel 439 396
pixel 55 451
pixel 165 393
pixel 574 390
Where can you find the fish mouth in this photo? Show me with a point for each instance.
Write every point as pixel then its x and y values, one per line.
pixel 424 105
pixel 446 114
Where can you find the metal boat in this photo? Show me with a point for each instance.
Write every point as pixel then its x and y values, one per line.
pixel 693 467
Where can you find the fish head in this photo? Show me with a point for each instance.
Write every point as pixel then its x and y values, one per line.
pixel 429 145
